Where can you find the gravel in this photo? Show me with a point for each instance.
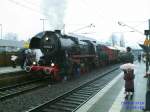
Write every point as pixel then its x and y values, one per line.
pixel 34 98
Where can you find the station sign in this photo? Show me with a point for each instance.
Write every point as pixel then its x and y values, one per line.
pixel 146 42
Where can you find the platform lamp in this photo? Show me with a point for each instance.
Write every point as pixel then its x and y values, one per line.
pixel 43 21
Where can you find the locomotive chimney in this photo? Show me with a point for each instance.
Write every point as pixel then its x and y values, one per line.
pixel 58 31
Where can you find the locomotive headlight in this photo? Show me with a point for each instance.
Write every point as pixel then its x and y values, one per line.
pixel 46 38
pixel 52 64
pixel 34 63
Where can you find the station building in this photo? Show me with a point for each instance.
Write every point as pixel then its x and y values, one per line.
pixel 10 45
pixel 7 48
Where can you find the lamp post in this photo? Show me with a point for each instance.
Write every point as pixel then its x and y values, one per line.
pixel 43 20
pixel 1 30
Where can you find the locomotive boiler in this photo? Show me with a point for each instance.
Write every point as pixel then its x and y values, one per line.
pixel 52 43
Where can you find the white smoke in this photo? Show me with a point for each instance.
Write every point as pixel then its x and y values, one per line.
pixel 54 11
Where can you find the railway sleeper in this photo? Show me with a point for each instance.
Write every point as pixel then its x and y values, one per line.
pixel 95 87
pixel 52 110
pixel 9 91
pixel 86 93
pixel 74 99
pixel 69 105
pixel 71 102
pixel 78 97
pixel 96 84
pixel 90 90
pixel 82 94
pixel 65 109
pixel 2 93
pixel 99 82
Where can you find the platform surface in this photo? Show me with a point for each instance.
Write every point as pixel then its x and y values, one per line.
pixel 112 98
pixel 4 70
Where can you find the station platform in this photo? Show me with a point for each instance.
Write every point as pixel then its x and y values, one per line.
pixel 112 98
pixel 5 70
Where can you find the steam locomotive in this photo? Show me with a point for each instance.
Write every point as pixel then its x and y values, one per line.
pixel 66 54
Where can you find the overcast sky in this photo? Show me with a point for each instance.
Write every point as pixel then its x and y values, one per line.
pixel 23 17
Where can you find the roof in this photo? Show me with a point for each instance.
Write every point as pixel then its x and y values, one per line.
pixel 145 48
pixel 82 37
pixel 111 47
pixel 120 48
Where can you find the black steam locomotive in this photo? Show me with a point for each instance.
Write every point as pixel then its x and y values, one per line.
pixel 68 54
pixel 57 47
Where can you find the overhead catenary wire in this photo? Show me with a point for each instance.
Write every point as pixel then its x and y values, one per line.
pixel 85 4
pixel 123 24
pixel 95 9
pixel 110 19
pixel 27 7
pixel 131 27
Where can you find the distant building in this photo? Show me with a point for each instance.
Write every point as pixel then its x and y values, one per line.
pixel 122 41
pixel 10 45
pixel 11 36
pixel 117 39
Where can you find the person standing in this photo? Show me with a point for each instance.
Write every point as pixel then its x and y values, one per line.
pixel 13 59
pixel 129 74
pixel 129 58
pixel 129 82
pixel 22 57
pixel 37 54
pixel 147 61
pixel 139 58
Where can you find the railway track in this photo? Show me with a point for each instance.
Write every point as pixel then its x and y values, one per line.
pixel 72 100
pixel 14 90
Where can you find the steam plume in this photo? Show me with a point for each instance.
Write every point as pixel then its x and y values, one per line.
pixel 54 11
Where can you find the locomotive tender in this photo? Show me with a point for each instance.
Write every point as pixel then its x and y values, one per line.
pixel 65 54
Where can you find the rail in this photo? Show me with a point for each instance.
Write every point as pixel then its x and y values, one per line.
pixel 72 100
